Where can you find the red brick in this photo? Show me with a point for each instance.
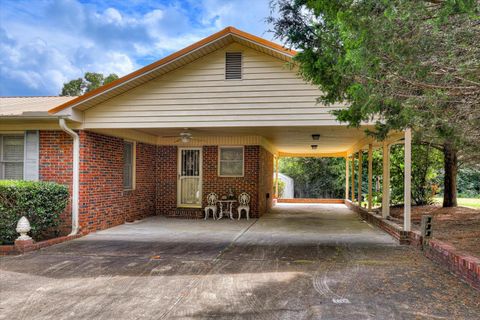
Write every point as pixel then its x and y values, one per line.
pixel 103 202
pixel 258 165
pixel 55 165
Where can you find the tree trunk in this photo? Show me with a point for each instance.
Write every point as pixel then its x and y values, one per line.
pixel 450 180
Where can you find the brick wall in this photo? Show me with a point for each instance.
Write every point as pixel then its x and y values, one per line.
pixel 140 203
pixel 220 185
pixel 55 165
pixel 265 181
pixel 258 163
pixel 166 174
pixel 103 202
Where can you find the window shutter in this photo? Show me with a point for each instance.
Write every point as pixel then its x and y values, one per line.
pixel 30 171
pixel 233 66
pixel 128 165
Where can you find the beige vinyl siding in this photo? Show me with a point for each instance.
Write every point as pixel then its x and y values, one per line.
pixel 198 95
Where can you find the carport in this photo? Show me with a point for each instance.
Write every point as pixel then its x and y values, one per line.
pixel 345 143
pixel 188 101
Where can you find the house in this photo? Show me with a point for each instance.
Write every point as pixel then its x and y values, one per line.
pixel 289 186
pixel 211 117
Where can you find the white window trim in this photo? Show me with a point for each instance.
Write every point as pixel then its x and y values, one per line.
pixel 219 161
pixel 134 166
pixel 241 67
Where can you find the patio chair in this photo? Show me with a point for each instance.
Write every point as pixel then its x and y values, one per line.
pixel 212 200
pixel 244 205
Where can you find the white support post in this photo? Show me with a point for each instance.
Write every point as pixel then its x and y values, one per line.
pixel 347 178
pixel 408 180
pixel 370 176
pixel 386 181
pixel 360 169
pixel 276 177
pixel 353 178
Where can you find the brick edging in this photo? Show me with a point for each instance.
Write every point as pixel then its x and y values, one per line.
pixel 28 246
pixel 463 265
pixel 308 200
pixel 7 249
pixel 386 225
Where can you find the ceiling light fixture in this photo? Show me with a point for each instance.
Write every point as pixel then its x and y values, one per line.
pixel 185 137
pixel 316 136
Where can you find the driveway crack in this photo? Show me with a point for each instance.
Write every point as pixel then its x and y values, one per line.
pixel 194 284
pixel 233 241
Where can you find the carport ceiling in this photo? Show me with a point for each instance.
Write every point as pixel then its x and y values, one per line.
pixel 286 139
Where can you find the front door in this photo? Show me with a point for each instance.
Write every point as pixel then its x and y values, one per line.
pixel 190 177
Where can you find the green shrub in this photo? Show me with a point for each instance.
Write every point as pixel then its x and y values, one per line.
pixel 41 202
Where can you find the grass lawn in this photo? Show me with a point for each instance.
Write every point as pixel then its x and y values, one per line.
pixel 464 202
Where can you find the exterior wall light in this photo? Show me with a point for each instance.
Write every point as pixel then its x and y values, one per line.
pixel 314 146
pixel 316 136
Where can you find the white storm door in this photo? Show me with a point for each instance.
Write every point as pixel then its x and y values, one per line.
pixel 189 177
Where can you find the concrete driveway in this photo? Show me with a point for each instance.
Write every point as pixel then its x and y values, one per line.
pixel 298 262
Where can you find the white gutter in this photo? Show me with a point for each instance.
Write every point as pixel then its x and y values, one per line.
pixel 75 174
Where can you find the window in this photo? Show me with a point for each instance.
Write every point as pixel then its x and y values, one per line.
pixel 11 157
pixel 129 165
pixel 233 66
pixel 230 162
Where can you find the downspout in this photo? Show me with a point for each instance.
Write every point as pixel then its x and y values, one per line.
pixel 75 173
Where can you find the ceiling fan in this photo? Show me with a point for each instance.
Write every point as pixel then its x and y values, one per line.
pixel 183 137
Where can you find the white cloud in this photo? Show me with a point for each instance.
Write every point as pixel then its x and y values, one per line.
pixel 112 15
pixel 33 67
pixel 245 15
pixel 44 44
pixel 112 62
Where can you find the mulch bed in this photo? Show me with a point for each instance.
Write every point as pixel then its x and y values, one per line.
pixel 458 226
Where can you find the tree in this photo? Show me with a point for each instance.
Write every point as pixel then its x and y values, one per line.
pixel 89 82
pixel 399 63
pixel 425 171
pixel 469 182
pixel 73 88
pixel 316 177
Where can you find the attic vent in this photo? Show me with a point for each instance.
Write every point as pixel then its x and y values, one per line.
pixel 233 66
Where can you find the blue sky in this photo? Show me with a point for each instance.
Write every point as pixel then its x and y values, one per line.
pixel 46 43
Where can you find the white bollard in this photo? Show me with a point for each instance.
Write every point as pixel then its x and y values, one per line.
pixel 23 227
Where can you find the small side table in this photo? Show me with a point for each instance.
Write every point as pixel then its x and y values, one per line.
pixel 228 208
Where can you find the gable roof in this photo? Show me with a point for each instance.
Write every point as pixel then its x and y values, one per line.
pixel 174 61
pixel 30 106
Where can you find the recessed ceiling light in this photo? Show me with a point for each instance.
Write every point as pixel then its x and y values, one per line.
pixel 316 136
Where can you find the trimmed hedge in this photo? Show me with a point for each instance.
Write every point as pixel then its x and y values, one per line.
pixel 41 202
